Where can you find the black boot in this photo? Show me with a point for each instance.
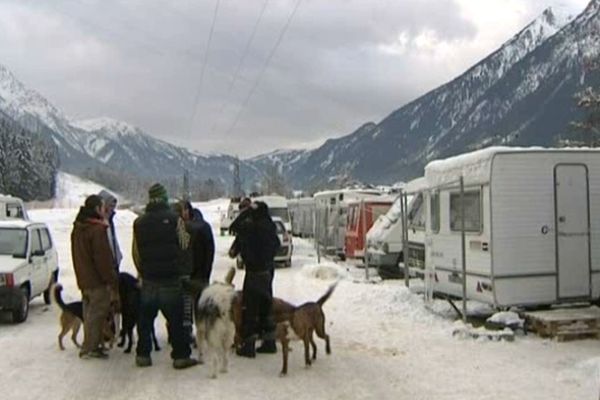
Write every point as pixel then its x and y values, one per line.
pixel 267 347
pixel 247 349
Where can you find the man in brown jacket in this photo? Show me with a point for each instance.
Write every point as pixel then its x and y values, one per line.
pixel 96 276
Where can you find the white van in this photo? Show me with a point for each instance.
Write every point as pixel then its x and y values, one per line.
pixel 12 208
pixel 28 265
pixel 229 215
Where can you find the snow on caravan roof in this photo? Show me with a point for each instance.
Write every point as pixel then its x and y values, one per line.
pixel 328 193
pixel 273 201
pixel 475 166
pixel 416 185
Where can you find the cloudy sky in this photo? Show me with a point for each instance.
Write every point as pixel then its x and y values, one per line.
pixel 277 73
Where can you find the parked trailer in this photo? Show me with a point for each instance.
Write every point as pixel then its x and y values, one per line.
pixel 330 215
pixel 362 214
pixel 302 211
pixel 531 225
pixel 385 241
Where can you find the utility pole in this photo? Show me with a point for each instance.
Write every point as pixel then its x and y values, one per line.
pixel 186 185
pixel 237 181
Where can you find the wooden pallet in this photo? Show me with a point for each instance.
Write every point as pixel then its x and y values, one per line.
pixel 565 323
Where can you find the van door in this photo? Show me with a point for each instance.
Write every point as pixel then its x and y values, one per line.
pixel 572 230
pixel 37 261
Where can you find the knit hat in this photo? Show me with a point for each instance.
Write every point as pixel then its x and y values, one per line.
pixel 158 194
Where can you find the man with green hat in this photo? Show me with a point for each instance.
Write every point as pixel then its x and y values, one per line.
pixel 159 244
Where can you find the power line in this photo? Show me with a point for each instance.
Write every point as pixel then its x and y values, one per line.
pixel 265 66
pixel 239 66
pixel 199 91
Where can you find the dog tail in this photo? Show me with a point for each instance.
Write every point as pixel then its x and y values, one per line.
pixel 56 290
pixel 230 275
pixel 327 294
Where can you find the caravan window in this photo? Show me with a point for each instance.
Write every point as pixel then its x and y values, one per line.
pixel 379 210
pixel 14 210
pixel 435 212
pixel 416 215
pixel 473 221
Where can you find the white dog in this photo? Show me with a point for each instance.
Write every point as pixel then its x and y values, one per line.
pixel 215 329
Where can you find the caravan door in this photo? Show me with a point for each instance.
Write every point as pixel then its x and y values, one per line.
pixel 572 230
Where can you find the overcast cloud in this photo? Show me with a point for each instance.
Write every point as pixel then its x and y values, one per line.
pixel 340 63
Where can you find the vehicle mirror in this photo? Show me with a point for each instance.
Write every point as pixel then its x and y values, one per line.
pixel 38 253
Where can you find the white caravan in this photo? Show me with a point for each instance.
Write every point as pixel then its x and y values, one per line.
pixel 278 207
pixel 302 212
pixel 532 222
pixel 330 215
pixel 12 208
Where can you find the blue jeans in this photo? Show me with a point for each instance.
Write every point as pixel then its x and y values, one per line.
pixel 168 299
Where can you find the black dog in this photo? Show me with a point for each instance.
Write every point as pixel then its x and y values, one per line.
pixel 130 294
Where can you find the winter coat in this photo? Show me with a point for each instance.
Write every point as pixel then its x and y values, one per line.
pixel 157 249
pixel 258 242
pixel 90 251
pixel 112 235
pixel 202 246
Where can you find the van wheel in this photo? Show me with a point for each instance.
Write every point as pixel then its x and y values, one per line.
pixel 48 292
pixel 20 313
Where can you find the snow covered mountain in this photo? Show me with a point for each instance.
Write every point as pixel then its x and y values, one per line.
pixel 104 142
pixel 487 104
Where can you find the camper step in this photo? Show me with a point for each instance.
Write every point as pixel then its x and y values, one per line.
pixel 565 323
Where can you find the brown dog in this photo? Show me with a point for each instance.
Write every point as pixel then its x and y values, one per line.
pixel 303 320
pixel 281 312
pixel 71 319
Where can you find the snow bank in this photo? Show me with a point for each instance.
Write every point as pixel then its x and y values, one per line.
pixel 327 270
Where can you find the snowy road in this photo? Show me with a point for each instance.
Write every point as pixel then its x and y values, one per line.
pixel 385 345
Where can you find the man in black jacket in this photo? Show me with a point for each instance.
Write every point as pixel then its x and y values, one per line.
pixel 159 243
pixel 257 244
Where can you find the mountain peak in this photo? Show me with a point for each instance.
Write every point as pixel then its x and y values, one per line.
pixel 108 126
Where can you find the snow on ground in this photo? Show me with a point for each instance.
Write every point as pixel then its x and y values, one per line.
pixel 386 344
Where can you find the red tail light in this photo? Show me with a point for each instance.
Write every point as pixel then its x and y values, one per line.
pixel 10 280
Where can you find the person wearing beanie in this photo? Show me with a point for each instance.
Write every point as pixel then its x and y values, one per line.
pixel 95 273
pixel 110 203
pixel 159 246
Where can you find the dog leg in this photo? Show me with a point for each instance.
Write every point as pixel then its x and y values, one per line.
pixel 62 334
pixel 285 350
pixel 306 340
pixel 320 331
pixel 200 339
pixel 75 332
pixel 314 347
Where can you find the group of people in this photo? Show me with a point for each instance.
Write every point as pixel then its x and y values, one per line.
pixel 173 251
pixel 172 246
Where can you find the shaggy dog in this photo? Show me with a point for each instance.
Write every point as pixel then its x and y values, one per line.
pixel 71 319
pixel 129 293
pixel 214 324
pixel 302 321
